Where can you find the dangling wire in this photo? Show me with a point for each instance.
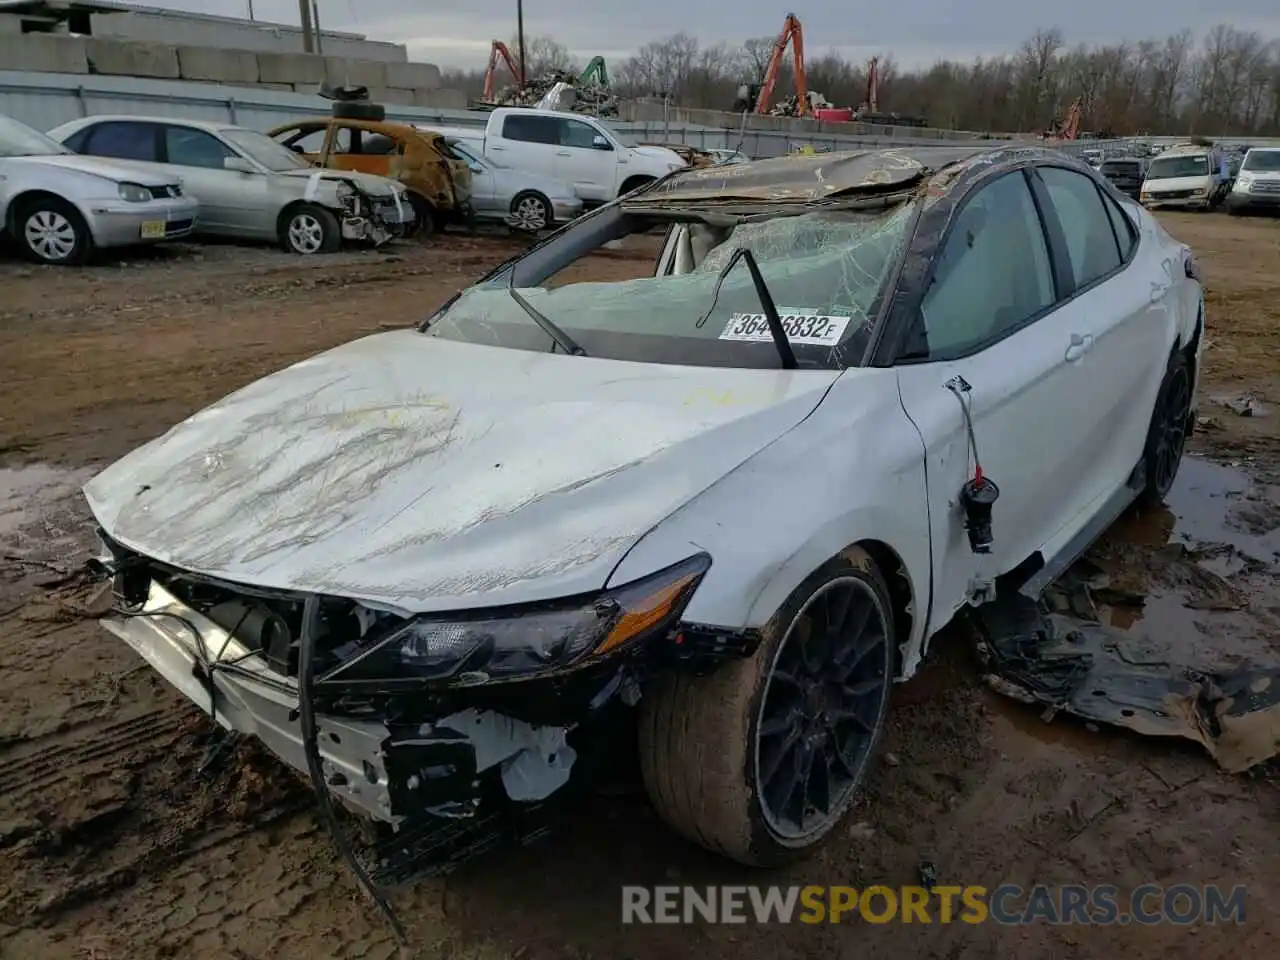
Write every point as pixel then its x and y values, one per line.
pixel 960 388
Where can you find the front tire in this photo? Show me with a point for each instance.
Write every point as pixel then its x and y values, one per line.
pixel 308 229
pixel 1169 429
pixel 761 759
pixel 50 230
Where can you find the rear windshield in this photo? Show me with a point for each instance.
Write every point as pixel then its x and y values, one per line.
pixel 1262 161
pixel 1120 166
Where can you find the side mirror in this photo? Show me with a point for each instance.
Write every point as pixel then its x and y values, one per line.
pixel 238 164
pixel 601 143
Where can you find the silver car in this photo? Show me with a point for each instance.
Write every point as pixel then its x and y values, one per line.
pixel 524 201
pixel 59 207
pixel 249 186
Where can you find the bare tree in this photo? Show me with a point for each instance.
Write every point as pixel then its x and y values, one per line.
pixel 1229 85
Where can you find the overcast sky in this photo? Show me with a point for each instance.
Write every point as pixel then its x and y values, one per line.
pixel 456 33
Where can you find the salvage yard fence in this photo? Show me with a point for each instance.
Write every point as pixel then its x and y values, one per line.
pixel 45 100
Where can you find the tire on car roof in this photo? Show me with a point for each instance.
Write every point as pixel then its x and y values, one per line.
pixel 359 110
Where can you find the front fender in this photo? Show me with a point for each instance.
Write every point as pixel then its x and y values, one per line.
pixel 852 471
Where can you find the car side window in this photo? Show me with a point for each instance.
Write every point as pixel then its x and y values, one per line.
pixel 1126 236
pixel 531 129
pixel 311 141
pixel 1091 242
pixel 187 147
pixel 993 273
pixel 342 140
pixel 378 145
pixel 575 133
pixel 123 140
pixel 77 142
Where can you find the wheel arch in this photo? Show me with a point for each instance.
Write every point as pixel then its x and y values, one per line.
pixel 17 201
pixel 536 194
pixel 633 182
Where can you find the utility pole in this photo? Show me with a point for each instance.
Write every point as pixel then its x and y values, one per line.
pixel 315 25
pixel 251 16
pixel 308 33
pixel 520 37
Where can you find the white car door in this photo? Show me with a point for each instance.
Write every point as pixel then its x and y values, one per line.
pixel 587 159
pixel 1123 316
pixel 525 141
pixel 987 332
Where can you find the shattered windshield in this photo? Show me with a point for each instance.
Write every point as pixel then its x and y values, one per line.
pixel 823 269
pixel 1168 168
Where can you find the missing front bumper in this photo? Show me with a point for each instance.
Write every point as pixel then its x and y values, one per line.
pixel 385 770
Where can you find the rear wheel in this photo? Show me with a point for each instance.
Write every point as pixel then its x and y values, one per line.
pixel 308 228
pixel 760 760
pixel 530 213
pixel 51 230
pixel 1170 427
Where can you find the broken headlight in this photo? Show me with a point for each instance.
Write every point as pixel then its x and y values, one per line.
pixel 518 642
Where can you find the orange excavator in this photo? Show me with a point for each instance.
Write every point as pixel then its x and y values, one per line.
pixel 498 51
pixel 870 104
pixel 1068 128
pixel 792 34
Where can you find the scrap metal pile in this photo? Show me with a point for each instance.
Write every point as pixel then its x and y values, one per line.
pixel 590 97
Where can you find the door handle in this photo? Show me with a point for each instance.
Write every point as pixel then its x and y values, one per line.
pixel 563 153
pixel 494 146
pixel 1079 346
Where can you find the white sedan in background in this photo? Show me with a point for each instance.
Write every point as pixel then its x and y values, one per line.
pixel 733 499
pixel 59 207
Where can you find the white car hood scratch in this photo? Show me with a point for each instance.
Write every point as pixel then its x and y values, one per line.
pixel 416 473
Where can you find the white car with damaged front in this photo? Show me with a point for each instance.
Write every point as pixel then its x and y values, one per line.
pixel 741 493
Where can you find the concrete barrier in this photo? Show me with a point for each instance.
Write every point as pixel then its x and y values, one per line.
pixel 42 54
pixel 413 76
pixel 341 72
pixel 220 66
pixel 441 99
pixel 297 68
pixel 132 58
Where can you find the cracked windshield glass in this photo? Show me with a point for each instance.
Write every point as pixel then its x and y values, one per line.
pixel 823 270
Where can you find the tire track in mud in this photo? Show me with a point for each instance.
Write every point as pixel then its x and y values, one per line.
pixel 93 809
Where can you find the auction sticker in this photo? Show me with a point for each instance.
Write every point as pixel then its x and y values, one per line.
pixel 801 327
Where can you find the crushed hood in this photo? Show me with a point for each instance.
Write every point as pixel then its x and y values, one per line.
pixel 417 473
pixel 121 171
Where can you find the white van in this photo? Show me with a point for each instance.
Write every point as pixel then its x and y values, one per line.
pixel 1186 175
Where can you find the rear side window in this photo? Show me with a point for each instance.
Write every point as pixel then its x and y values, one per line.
pixel 1091 242
pixel 1126 236
pixel 123 140
pixel 531 129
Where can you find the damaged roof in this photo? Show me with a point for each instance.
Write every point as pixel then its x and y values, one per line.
pixel 804 178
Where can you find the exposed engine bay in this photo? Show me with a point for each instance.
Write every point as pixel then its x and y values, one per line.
pixel 446 765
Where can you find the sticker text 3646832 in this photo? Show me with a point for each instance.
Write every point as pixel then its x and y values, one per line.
pixel 802 327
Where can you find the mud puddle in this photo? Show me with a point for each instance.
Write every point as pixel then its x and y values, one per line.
pixel 1169 626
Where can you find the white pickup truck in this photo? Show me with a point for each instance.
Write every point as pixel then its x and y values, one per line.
pixel 601 164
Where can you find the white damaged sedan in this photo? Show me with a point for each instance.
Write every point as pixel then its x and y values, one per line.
pixel 720 508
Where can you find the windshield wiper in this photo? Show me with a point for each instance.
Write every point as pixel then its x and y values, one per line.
pixel 562 339
pixel 779 335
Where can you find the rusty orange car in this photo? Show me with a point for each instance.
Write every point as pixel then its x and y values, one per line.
pixel 437 180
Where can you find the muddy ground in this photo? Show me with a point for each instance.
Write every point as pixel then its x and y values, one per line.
pixel 110 848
